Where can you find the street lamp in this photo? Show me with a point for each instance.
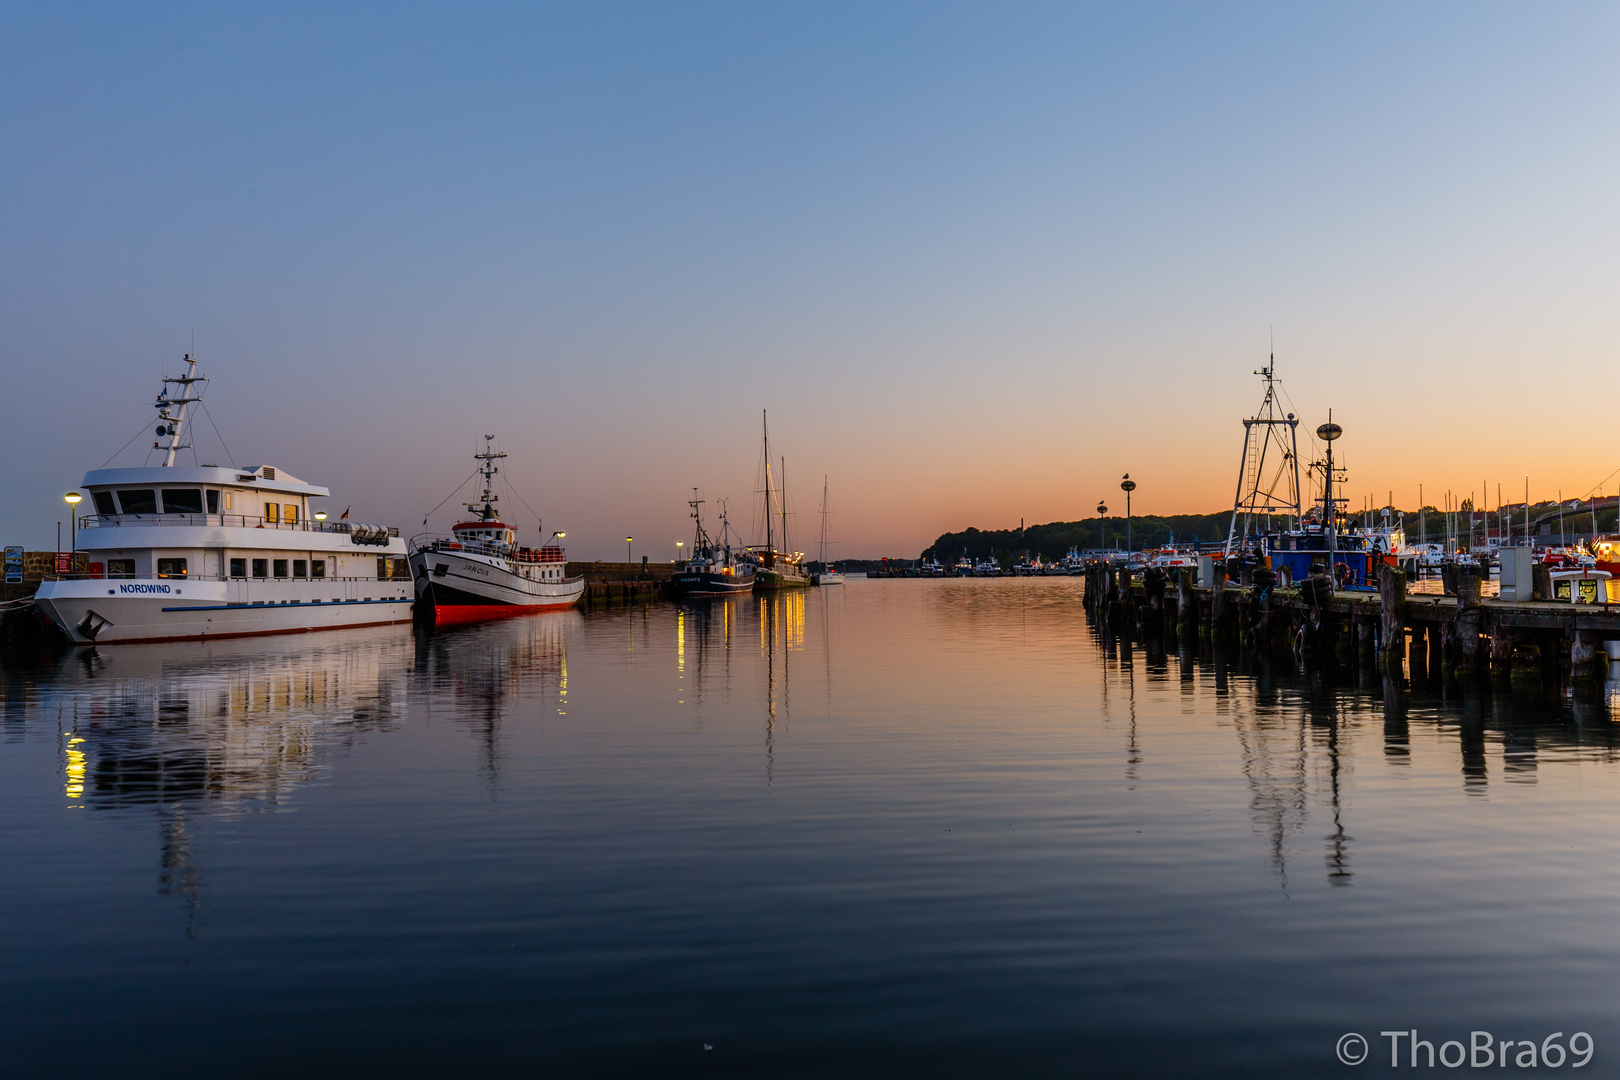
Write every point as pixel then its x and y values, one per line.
pixel 627 549
pixel 1102 512
pixel 320 515
pixel 72 499
pixel 1127 486
pixel 678 545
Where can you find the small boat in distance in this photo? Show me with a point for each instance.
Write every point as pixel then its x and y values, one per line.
pixel 712 570
pixel 829 574
pixel 479 572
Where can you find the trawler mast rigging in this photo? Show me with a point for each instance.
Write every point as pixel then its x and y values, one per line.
pixel 1267 437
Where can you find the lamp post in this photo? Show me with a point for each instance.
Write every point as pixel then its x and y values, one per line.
pixel 678 545
pixel 1102 512
pixel 72 499
pixel 1127 485
pixel 627 550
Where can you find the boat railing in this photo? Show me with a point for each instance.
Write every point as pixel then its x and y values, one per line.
pixel 441 542
pixel 236 521
pixel 174 579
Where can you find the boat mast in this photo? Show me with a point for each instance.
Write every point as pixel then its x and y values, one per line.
pixel 697 537
pixel 764 419
pixel 171 424
pixel 823 553
pixel 487 511
pixel 781 504
pixel 1261 490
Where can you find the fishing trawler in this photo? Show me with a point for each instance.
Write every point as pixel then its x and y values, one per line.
pixel 776 569
pixel 479 572
pixel 712 570
pixel 175 552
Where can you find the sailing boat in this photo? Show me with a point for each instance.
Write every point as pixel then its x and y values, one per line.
pixel 829 574
pixel 776 569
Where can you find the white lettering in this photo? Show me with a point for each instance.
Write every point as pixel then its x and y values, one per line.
pixel 1426 1044
pixel 1394 1038
pixel 1526 1059
pixel 1586 1054
pixel 1546 1051
pixel 1478 1046
pixel 1461 1053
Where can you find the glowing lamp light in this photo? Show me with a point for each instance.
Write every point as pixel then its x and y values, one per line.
pixel 72 498
pixel 320 515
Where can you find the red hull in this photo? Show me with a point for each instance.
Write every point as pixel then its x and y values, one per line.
pixel 460 614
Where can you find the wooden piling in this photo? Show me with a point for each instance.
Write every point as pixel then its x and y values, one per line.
pixel 1465 627
pixel 1392 604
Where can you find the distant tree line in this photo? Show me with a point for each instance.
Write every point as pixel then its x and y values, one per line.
pixel 1053 540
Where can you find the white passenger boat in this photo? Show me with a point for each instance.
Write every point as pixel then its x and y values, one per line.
pixel 479 572
pixel 190 552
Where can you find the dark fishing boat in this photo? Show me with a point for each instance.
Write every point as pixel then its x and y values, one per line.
pixel 712 570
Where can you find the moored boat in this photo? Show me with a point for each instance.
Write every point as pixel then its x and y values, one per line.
pixel 829 574
pixel 175 552
pixel 776 569
pixel 712 570
pixel 480 572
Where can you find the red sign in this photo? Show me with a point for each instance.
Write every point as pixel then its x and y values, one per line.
pixel 64 562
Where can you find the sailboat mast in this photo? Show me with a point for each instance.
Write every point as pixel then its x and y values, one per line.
pixel 823 552
pixel 765 425
pixel 781 504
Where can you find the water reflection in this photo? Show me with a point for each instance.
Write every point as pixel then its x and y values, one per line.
pixel 482 673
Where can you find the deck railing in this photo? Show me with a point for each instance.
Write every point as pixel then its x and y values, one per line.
pixel 243 521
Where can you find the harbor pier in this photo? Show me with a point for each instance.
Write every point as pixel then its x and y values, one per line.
pixel 1526 643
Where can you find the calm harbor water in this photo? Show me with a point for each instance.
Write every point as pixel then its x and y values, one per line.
pixel 897 827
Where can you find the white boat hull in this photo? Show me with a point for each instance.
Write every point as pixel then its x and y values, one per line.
pixel 461 587
pixel 113 611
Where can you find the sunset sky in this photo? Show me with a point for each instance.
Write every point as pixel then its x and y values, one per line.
pixel 977 260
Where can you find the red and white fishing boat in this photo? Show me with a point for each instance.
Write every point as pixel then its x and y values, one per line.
pixel 479 572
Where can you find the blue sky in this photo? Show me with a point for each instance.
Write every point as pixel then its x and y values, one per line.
pixel 976 260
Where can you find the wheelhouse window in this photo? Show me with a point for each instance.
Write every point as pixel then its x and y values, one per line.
pixel 104 503
pixel 317 568
pixel 182 501
pixel 289 513
pixel 261 567
pixel 120 568
pixel 213 500
pixel 138 500
pixel 272 512
pixel 171 568
pixel 238 568
pixel 300 568
pixel 280 568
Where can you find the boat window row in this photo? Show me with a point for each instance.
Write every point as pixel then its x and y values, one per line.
pixel 136 501
pixel 278 568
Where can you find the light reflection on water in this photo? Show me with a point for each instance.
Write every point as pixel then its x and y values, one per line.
pixel 917 826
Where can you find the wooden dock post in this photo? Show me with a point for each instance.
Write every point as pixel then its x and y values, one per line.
pixel 1466 626
pixel 1392 605
pixel 1583 666
pixel 1502 642
pixel 1217 600
pixel 1186 599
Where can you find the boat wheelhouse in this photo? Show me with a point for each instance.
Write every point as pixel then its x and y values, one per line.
pixel 174 552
